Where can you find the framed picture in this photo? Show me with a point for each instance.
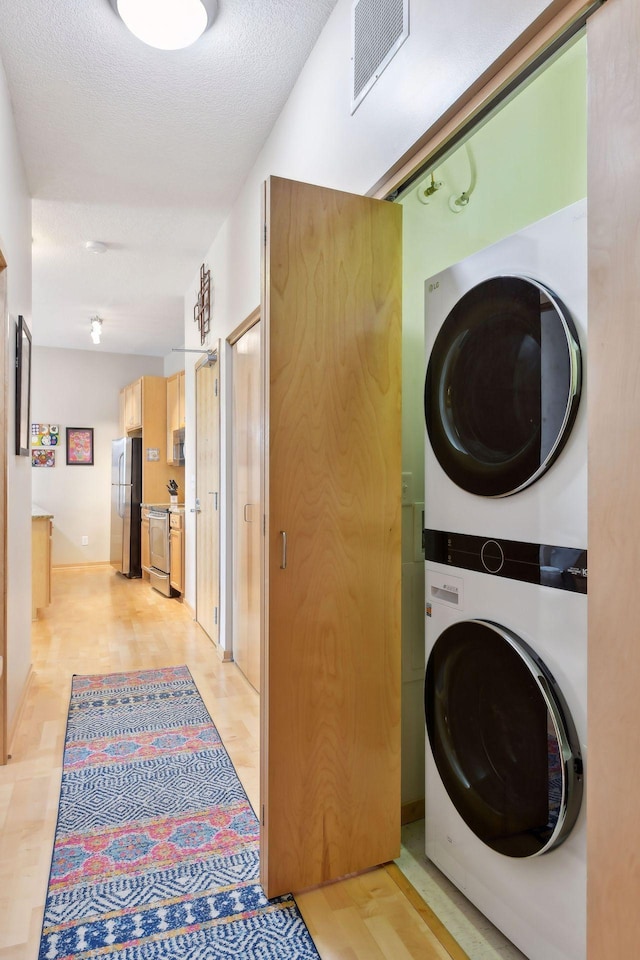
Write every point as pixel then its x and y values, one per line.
pixel 43 458
pixel 23 389
pixel 45 435
pixel 80 446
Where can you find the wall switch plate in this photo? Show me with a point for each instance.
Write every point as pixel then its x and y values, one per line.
pixel 407 488
pixel 85 541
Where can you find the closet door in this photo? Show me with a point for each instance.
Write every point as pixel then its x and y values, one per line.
pixel 247 514
pixel 330 775
pixel 207 495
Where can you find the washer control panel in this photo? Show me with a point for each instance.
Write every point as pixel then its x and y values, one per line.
pixel 564 568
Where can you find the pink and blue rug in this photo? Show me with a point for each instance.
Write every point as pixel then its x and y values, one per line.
pixel 156 848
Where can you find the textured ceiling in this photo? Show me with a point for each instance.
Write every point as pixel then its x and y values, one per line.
pixel 142 149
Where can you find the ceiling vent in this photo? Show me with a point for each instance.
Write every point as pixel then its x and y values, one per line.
pixel 380 27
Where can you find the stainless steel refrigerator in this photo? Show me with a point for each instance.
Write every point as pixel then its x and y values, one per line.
pixel 126 492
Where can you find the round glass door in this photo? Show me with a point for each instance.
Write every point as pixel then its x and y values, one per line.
pixel 502 739
pixel 502 386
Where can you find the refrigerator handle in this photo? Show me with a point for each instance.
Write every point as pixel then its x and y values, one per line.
pixel 121 486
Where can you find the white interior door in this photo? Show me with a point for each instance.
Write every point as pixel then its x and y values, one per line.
pixel 247 512
pixel 208 495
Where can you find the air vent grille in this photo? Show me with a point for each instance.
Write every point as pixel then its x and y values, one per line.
pixel 380 27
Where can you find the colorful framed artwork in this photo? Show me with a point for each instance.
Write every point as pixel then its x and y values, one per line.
pixel 80 446
pixel 45 435
pixel 43 458
pixel 23 387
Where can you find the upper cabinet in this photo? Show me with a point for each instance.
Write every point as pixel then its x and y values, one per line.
pixel 175 411
pixel 133 406
pixel 143 412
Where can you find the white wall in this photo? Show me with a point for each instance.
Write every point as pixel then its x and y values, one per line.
pixel 15 243
pixel 80 388
pixel 317 140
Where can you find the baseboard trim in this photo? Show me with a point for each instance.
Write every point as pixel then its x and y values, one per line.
pixel 225 655
pixel 17 717
pixel 436 926
pixel 410 812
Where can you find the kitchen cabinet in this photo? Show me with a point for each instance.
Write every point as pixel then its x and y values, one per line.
pixel 175 409
pixel 145 404
pixel 41 533
pixel 133 405
pixel 176 552
pixel 331 646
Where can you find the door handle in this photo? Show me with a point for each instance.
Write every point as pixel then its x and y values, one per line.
pixel 283 562
pixel 244 513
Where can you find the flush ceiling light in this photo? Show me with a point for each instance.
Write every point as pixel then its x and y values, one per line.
pixel 166 24
pixel 96 329
pixel 95 246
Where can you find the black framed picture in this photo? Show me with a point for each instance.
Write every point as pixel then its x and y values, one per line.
pixel 23 388
pixel 80 446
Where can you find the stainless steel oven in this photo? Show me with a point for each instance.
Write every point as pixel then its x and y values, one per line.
pixel 159 551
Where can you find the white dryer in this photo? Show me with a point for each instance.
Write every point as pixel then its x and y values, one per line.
pixel 505 545
pixel 505 333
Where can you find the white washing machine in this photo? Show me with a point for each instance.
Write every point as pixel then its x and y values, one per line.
pixel 505 545
pixel 505 695
pixel 505 334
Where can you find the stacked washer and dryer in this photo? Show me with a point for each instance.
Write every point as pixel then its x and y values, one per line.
pixel 506 582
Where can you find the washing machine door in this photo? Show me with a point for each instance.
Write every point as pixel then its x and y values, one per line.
pixel 502 739
pixel 502 386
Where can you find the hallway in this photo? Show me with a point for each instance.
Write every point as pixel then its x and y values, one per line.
pixel 101 623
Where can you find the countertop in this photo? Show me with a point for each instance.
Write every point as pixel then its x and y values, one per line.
pixel 171 507
pixel 37 513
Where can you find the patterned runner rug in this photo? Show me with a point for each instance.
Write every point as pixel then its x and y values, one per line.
pixel 156 847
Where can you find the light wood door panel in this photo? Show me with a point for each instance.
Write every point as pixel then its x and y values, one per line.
pixel 9 336
pixel 208 497
pixel 613 709
pixel 247 511
pixel 330 776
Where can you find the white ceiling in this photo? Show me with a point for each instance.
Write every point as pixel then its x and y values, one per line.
pixel 142 149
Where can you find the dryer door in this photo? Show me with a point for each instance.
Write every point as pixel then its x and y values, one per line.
pixel 502 386
pixel 502 739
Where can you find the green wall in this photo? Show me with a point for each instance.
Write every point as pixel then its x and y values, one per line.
pixel 530 160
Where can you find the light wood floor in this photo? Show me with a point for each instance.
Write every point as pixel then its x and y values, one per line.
pixel 101 623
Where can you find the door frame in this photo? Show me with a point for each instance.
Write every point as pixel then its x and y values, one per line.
pixel 4 367
pixel 547 34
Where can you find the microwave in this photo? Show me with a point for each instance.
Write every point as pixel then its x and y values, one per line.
pixel 178 447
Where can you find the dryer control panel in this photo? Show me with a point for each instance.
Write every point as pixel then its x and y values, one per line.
pixel 564 568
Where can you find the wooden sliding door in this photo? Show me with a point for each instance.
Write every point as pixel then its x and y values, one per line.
pixel 330 777
pixel 613 774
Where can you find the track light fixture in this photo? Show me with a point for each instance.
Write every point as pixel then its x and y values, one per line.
pixel 96 329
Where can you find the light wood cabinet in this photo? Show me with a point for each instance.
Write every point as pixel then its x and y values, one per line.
pixel 175 409
pixel 121 412
pixel 41 531
pixel 133 405
pixel 145 406
pixel 176 552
